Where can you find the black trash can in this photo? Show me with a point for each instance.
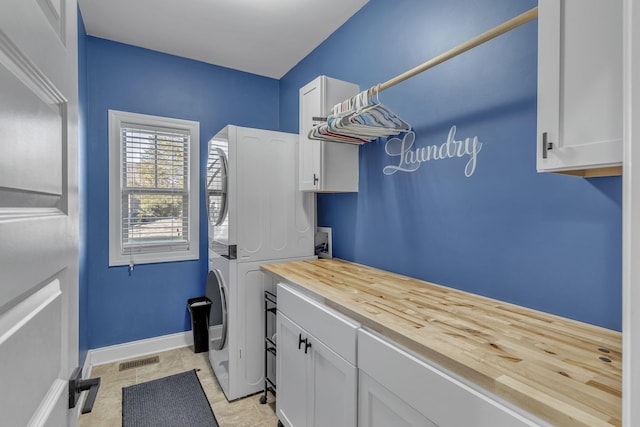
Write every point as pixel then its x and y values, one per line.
pixel 199 308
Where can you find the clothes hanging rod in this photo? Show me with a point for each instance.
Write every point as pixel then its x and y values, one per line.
pixel 505 27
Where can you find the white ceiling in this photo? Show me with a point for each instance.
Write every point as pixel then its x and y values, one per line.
pixel 264 37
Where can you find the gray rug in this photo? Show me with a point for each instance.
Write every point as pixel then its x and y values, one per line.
pixel 174 401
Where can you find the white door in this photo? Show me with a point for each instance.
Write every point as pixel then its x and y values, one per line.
pixel 311 105
pixel 291 373
pixel 38 211
pixel 334 388
pixel 378 407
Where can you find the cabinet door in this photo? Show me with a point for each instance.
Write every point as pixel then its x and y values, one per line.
pixel 333 388
pixel 311 105
pixel 579 84
pixel 291 374
pixel 378 407
pixel 325 166
pixel 416 385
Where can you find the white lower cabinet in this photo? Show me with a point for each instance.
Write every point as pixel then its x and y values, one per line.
pixel 316 385
pixel 399 389
pixel 291 374
pixel 379 407
pixel 331 372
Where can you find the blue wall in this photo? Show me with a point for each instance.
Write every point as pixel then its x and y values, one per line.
pixel 545 241
pixel 83 332
pixel 152 301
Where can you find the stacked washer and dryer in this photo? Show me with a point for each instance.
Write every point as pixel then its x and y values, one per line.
pixel 256 216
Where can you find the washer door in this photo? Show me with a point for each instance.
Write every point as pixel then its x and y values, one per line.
pixel 217 293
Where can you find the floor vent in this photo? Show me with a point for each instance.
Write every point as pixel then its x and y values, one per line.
pixel 140 362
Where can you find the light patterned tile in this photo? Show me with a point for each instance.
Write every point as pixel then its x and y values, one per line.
pixel 268 410
pixel 107 411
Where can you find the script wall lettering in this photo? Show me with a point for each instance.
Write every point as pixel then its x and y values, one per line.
pixel 410 159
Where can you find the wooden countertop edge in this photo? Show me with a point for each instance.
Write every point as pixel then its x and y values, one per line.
pixel 504 386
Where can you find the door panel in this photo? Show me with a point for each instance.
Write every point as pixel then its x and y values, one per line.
pixel 32 112
pixel 24 330
pixel 378 407
pixel 311 105
pixel 291 375
pixel 38 210
pixel 334 382
pixel 253 175
pixel 280 206
pixel 54 10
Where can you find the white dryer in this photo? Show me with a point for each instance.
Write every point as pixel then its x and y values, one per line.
pixel 256 216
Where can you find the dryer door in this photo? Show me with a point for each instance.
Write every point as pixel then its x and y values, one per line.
pixel 217 199
pixel 217 292
pixel 217 172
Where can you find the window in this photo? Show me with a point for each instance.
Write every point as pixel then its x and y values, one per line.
pixel 153 189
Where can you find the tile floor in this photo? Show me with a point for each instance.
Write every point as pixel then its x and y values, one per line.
pixel 107 411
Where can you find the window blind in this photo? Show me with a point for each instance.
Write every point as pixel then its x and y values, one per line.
pixel 155 188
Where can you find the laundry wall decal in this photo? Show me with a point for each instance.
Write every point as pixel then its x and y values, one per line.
pixel 410 159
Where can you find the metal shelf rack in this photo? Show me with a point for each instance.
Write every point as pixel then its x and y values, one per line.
pixel 270 348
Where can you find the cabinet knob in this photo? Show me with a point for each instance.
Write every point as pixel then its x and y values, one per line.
pixel 300 341
pixel 546 145
pixel 307 345
pixel 315 179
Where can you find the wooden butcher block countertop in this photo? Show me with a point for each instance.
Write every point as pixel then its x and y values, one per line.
pixel 548 365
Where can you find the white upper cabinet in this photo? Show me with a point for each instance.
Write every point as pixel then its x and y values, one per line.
pixel 325 166
pixel 580 87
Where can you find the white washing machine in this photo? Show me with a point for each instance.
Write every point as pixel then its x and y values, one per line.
pixel 236 353
pixel 256 216
pixel 236 348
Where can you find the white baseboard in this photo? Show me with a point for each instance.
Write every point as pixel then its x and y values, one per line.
pixel 134 349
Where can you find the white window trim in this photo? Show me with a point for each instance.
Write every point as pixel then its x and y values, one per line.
pixel 116 255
